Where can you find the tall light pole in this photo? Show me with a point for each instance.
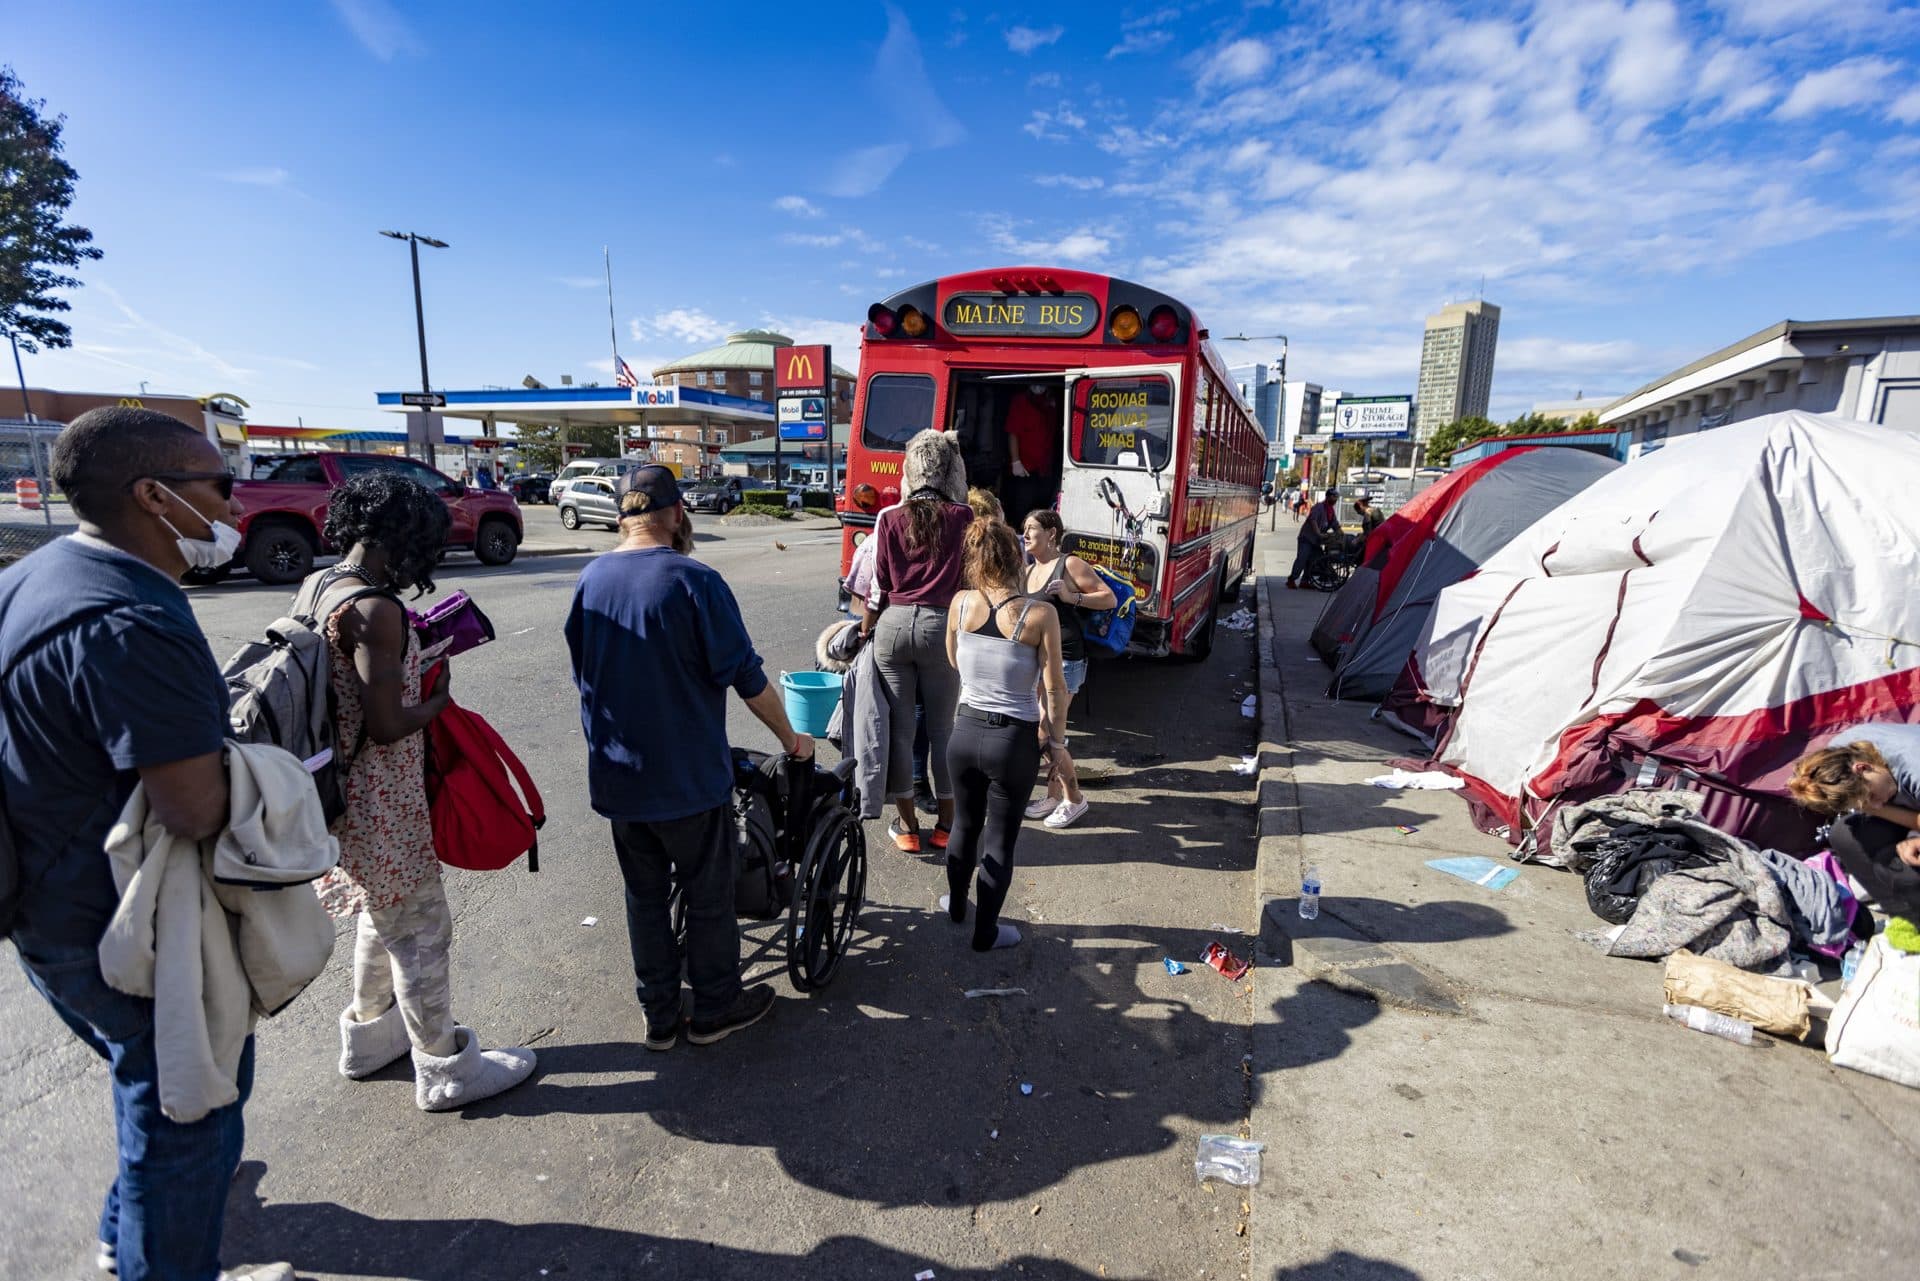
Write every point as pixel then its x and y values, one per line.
pixel 414 240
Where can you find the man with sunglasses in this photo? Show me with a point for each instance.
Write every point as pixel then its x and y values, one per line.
pixel 106 681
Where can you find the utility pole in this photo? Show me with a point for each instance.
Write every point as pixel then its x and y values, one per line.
pixel 26 406
pixel 414 240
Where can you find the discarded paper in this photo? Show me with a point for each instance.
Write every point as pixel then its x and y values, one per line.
pixel 1248 705
pixel 1173 966
pixel 589 921
pixel 1249 766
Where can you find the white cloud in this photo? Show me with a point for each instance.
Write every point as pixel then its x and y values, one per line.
pixel 1056 124
pixel 1044 80
pixel 899 68
pixel 1241 60
pixel 1906 108
pixel 1072 181
pixel 688 324
pixel 1853 83
pixel 810 241
pixel 381 29
pixel 864 171
pixel 1024 40
pixel 1140 42
pixel 262 176
pixel 798 206
pixel 1082 244
pixel 163 348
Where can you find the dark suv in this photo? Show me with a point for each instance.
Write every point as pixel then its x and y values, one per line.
pixel 720 496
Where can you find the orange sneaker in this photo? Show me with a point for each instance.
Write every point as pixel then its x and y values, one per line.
pixel 905 839
pixel 940 837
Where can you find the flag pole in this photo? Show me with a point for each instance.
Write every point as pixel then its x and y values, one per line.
pixel 613 332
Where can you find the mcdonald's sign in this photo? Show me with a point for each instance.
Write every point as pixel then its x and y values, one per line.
pixel 803 370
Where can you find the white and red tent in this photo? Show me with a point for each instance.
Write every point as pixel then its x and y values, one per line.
pixel 1444 534
pixel 1701 618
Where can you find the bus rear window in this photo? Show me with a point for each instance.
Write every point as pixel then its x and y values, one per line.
pixel 898 406
pixel 1116 416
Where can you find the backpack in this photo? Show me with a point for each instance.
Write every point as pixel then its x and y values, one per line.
pixel 1107 631
pixel 9 874
pixel 479 821
pixel 280 688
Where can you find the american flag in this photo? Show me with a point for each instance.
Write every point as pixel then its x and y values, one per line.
pixel 623 372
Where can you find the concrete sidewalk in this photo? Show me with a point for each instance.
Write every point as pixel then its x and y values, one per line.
pixel 1451 1085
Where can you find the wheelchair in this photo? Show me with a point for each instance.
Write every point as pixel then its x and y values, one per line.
pixel 1333 564
pixel 800 851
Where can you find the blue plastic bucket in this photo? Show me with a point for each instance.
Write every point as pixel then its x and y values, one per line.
pixel 811 698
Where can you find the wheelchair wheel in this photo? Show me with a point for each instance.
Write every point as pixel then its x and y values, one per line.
pixel 828 893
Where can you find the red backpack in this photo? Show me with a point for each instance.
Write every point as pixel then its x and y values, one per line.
pixel 479 821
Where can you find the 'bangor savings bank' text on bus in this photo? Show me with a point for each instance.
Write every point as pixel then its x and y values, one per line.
pixel 1150 456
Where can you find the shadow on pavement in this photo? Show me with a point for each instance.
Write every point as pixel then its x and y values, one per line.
pixel 889 1087
pixel 1343 1265
pixel 323 1237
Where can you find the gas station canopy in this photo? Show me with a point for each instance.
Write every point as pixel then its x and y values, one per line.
pixel 587 406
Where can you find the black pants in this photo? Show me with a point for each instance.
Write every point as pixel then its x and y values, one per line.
pixel 1865 847
pixel 993 769
pixel 1305 552
pixel 698 853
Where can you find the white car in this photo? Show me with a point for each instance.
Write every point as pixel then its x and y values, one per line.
pixel 574 470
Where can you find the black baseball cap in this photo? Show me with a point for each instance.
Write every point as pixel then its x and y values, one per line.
pixel 652 488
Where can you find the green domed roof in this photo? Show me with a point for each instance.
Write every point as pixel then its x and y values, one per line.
pixel 748 349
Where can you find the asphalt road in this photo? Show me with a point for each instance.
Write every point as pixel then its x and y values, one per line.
pixel 875 1129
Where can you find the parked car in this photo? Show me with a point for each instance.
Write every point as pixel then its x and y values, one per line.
pixel 588 500
pixel 720 496
pixel 285 513
pixel 573 471
pixel 532 488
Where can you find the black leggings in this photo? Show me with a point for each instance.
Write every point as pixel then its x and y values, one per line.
pixel 992 769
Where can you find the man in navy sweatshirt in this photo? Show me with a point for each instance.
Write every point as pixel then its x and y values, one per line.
pixel 657 641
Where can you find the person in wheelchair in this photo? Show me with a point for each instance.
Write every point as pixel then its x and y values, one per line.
pixel 656 641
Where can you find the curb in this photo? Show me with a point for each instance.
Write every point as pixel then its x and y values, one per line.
pixel 555 551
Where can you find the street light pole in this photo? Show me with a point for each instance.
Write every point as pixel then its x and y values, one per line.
pixel 414 240
pixel 1284 344
pixel 26 406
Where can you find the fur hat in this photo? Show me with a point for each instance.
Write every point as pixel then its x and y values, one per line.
pixel 934 462
pixel 834 649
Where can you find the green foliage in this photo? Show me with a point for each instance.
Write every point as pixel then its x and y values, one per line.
pixel 761 509
pixel 766 498
pixel 1458 434
pixel 36 186
pixel 1291 479
pixel 540 443
pixel 816 500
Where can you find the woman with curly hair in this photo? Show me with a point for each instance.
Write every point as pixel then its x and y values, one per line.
pixel 391 531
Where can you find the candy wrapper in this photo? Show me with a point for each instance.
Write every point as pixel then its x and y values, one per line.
pixel 1224 961
pixel 1173 966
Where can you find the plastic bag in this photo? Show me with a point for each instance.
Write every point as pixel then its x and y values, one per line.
pixel 1876 1027
pixel 1228 1159
pixel 1779 1006
pixel 1632 859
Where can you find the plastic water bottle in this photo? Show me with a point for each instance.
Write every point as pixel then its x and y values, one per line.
pixel 1703 1020
pixel 1310 894
pixel 1850 963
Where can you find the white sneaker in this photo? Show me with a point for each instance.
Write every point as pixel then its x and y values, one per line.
pixel 1066 815
pixel 1041 807
pixel 260 1272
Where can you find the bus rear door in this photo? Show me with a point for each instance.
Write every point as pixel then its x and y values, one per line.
pixel 1116 482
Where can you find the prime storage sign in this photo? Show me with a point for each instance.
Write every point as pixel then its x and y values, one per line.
pixel 990 315
pixel 1373 418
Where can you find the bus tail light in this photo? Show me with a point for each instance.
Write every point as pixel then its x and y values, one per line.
pixel 913 322
pixel 866 498
pixel 1124 324
pixel 1163 324
pixel 881 317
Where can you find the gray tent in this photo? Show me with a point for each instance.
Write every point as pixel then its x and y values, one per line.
pixel 1371 624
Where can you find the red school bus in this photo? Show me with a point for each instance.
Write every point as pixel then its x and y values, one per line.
pixel 1155 464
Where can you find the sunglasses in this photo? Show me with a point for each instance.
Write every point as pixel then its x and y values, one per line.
pixel 220 480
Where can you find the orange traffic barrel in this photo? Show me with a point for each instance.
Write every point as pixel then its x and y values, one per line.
pixel 26 492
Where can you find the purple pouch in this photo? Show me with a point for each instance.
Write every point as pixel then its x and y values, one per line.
pixel 456 620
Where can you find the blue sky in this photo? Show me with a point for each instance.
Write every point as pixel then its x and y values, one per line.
pixel 1638 183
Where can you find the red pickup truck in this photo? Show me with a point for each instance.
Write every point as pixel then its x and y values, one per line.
pixel 286 508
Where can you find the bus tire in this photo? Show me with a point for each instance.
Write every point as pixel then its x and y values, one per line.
pixel 1200 648
pixel 1231 593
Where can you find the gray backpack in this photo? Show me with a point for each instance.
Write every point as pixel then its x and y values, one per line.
pixel 280 688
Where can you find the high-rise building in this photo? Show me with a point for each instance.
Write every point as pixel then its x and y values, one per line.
pixel 1456 365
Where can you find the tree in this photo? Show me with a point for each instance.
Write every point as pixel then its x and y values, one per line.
pixel 1457 434
pixel 540 443
pixel 36 186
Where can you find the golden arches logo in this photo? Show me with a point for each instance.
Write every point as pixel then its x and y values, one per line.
pixel 130 402
pixel 799 366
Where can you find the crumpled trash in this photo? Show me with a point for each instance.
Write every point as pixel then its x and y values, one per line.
pixel 974 992
pixel 1229 965
pixel 1173 966
pixel 1026 1087
pixel 1244 621
pixel 1249 705
pixel 589 921
pixel 1228 1159
pixel 1248 766
pixel 1431 780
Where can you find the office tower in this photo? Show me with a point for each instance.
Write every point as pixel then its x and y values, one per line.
pixel 1456 365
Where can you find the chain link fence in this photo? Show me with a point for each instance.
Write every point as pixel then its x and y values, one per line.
pixel 26 453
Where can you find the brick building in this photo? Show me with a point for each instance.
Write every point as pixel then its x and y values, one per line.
pixel 741 367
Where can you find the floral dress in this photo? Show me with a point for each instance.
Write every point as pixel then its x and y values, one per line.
pixel 386 834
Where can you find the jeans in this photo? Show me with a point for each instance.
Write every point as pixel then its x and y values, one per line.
pixel 921 748
pixel 911 656
pixel 696 852
pixel 994 769
pixel 166 1209
pixel 1303 556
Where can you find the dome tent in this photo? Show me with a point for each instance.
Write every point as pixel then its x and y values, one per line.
pixel 1444 534
pixel 1699 618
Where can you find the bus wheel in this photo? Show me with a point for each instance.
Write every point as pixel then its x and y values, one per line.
pixel 1231 593
pixel 1200 648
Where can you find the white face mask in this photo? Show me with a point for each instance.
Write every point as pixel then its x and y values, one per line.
pixel 200 553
